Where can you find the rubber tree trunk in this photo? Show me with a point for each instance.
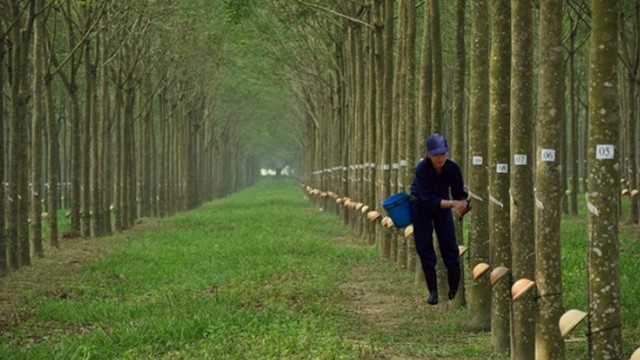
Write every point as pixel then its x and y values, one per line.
pixel 457 138
pixel 605 320
pixel 37 126
pixel 479 292
pixel 499 203
pixel 521 181
pixel 549 194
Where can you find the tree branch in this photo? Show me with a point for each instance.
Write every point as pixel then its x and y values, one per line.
pixel 336 13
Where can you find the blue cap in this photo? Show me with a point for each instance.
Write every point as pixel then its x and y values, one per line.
pixel 436 145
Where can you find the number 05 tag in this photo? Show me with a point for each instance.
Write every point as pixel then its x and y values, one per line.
pixel 604 152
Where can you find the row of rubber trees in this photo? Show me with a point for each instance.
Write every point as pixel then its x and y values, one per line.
pixel 568 321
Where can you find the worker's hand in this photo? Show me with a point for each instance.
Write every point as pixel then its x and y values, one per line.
pixel 462 207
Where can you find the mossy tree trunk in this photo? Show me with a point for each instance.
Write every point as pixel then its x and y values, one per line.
pixel 548 196
pixel 355 111
pixel 605 321
pixel 380 63
pixel 409 114
pixel 163 177
pixel 87 122
pixel 18 208
pixel 147 183
pixel 630 58
pixel 479 245
pixel 118 153
pixel 128 179
pixel 105 152
pixel 90 155
pixel 371 123
pixel 457 93
pixel 573 149
pixel 499 204
pixel 96 164
pixel 37 126
pixel 426 78
pixel 409 98
pixel 359 118
pixel 4 266
pixel 53 162
pixel 521 181
pixel 193 151
pixel 437 112
pixel 398 123
pixel 457 146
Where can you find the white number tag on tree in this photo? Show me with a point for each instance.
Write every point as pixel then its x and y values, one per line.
pixel 548 155
pixel 520 159
pixel 604 152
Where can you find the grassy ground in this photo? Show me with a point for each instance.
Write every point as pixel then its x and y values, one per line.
pixel 258 275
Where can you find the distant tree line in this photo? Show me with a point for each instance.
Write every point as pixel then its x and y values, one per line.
pixel 111 111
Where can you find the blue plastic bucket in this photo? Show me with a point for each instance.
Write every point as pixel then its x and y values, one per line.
pixel 397 206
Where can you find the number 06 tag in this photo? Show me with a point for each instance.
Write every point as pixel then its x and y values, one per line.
pixel 548 155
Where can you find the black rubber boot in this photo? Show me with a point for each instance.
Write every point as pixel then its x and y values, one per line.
pixel 432 285
pixel 454 281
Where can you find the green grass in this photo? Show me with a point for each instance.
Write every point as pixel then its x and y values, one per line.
pixel 252 276
pixel 260 274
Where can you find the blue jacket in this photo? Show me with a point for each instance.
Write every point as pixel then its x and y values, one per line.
pixel 429 187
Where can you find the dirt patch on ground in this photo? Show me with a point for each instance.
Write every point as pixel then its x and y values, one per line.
pixel 49 274
pixel 392 319
pixel 368 300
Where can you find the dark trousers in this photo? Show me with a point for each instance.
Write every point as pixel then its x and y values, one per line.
pixel 424 222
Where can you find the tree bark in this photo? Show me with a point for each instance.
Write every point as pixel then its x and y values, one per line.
pixel 147 151
pixel 88 140
pixel 104 150
pixel 549 194
pixel 359 119
pixel 118 155
pixel 605 321
pixel 499 204
pixel 426 77
pixel 384 101
pixel 458 143
pixel 437 120
pixel 129 200
pixel 4 266
pixel 38 121
pixel 630 55
pixel 479 292
pixel 574 158
pixel 371 123
pixel 53 161
pixel 18 209
pixel 163 188
pixel 521 181
pixel 409 114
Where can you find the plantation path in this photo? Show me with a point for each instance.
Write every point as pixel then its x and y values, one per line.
pixel 393 315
